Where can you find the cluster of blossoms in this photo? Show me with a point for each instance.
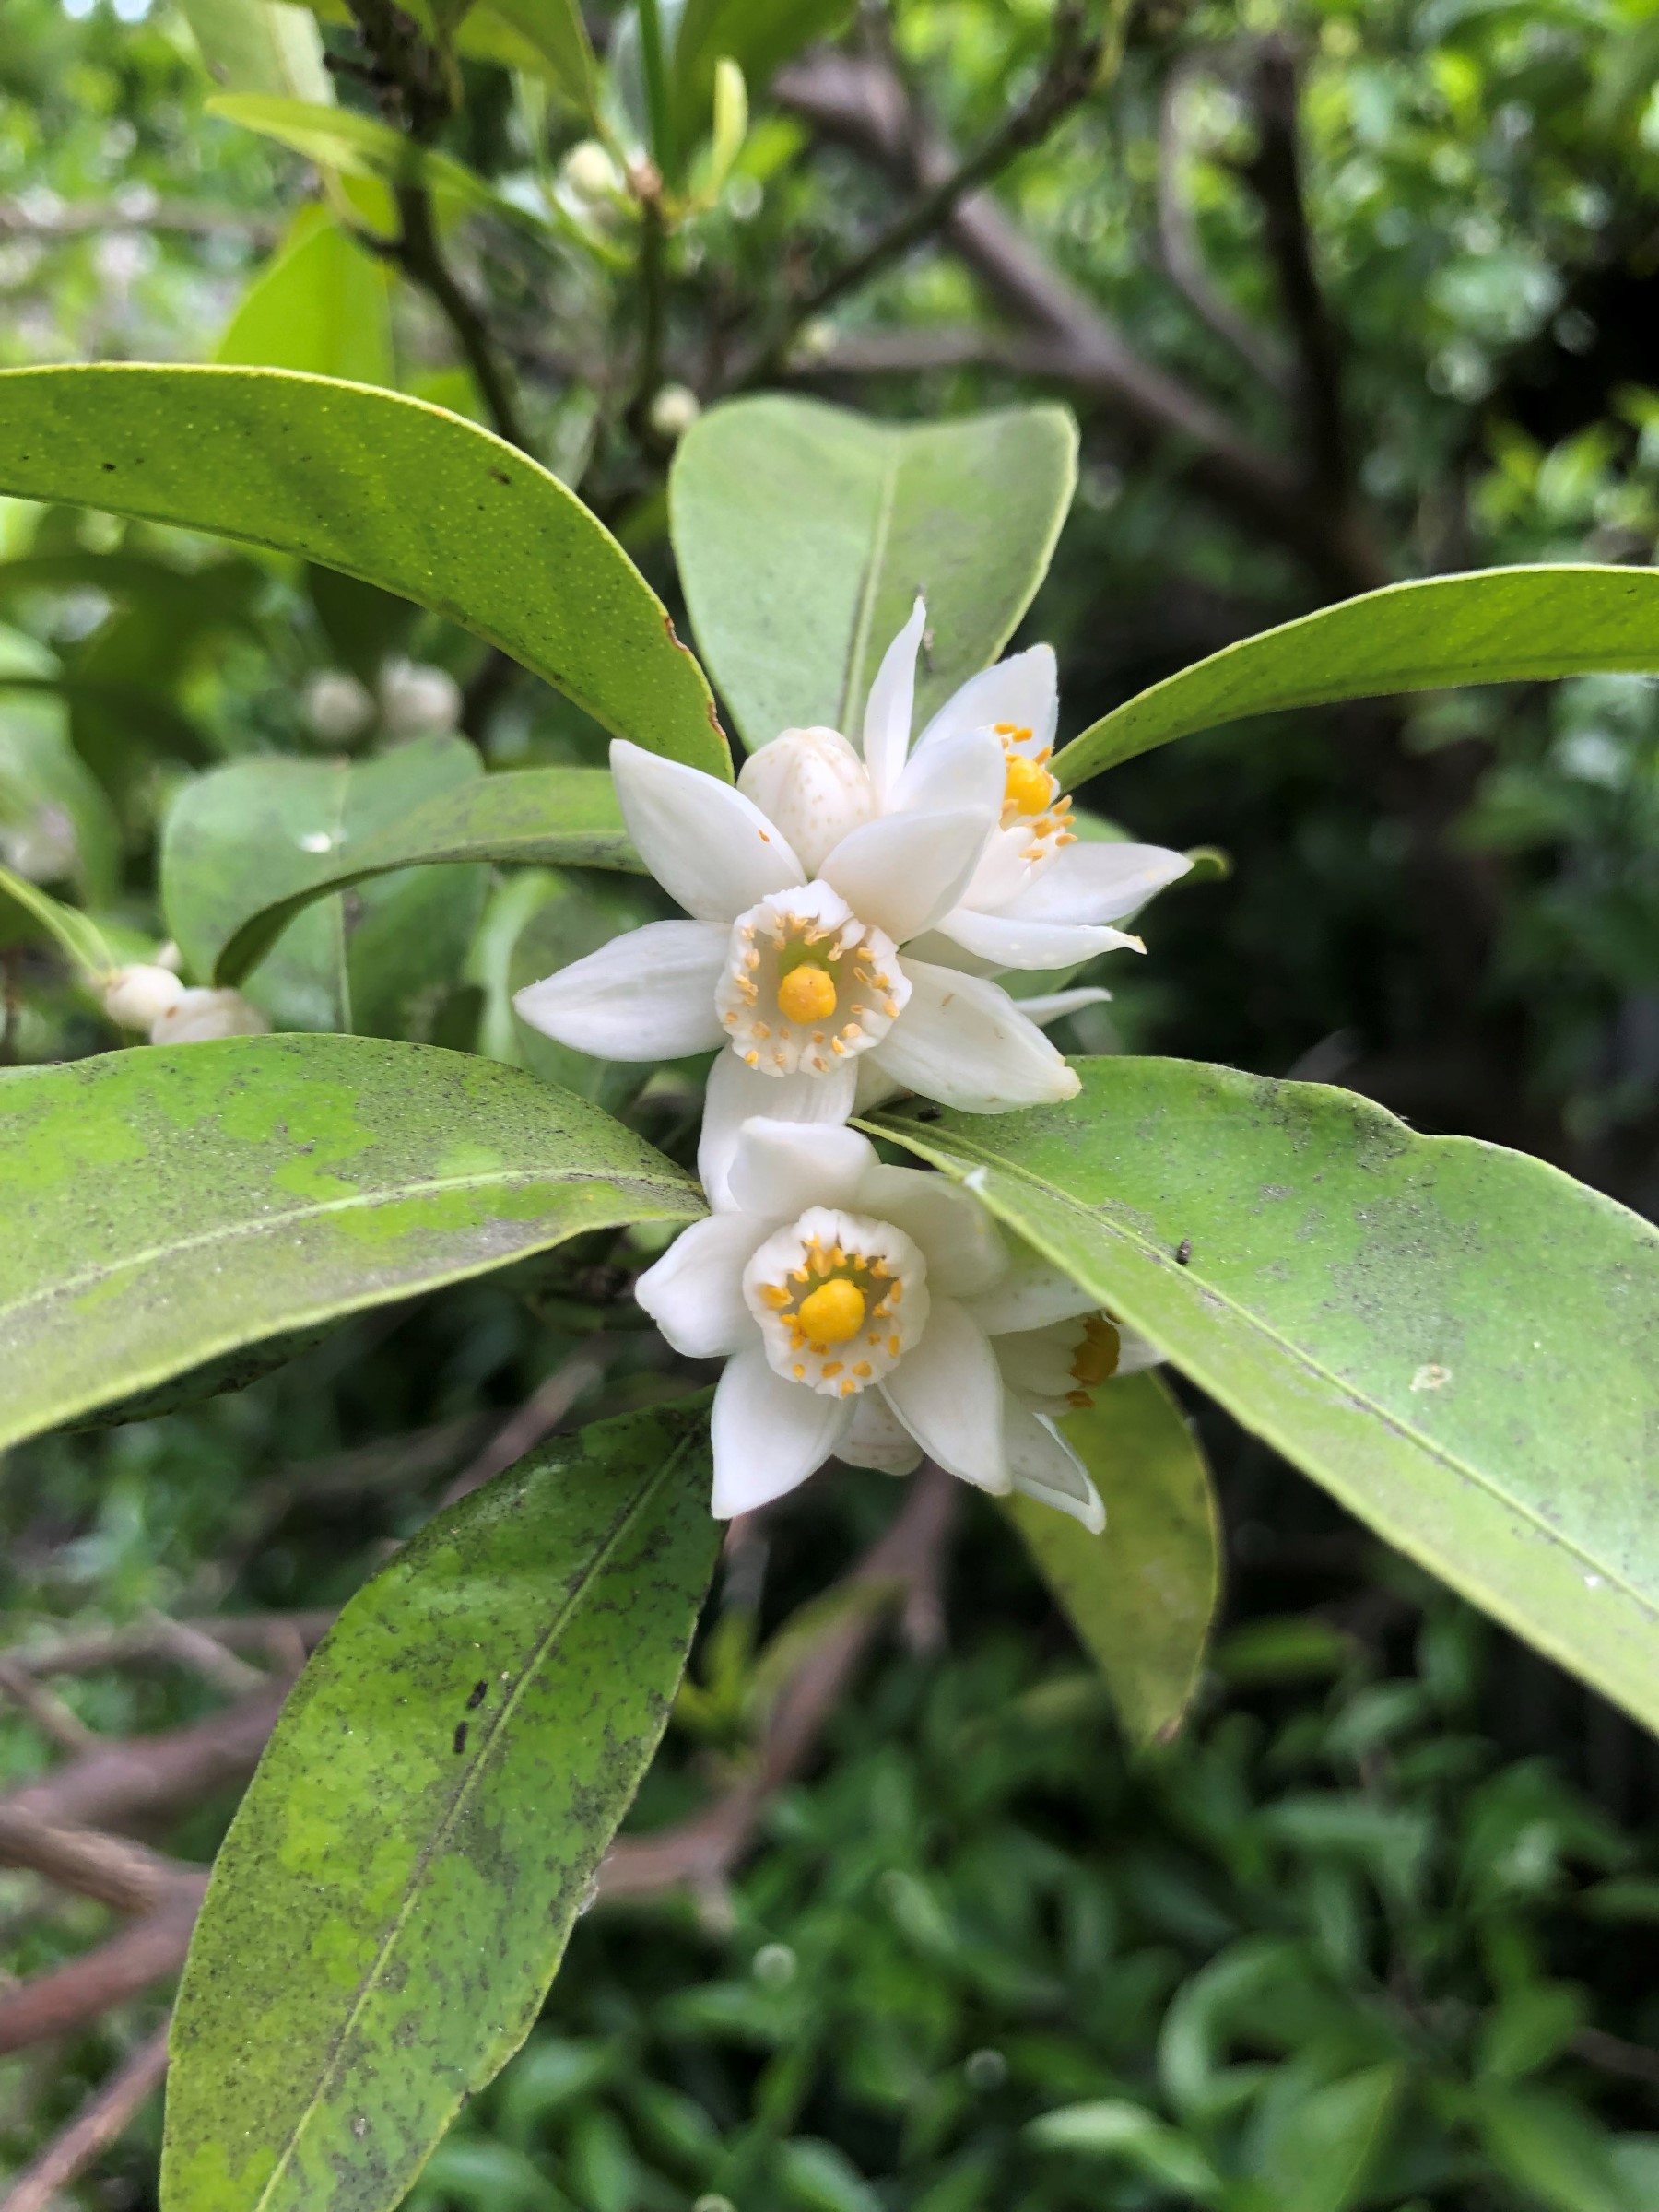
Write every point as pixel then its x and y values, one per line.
pixel 851 910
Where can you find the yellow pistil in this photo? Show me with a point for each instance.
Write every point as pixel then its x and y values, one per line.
pixel 807 993
pixel 1028 788
pixel 832 1313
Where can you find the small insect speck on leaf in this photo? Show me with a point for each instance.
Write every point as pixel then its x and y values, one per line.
pixel 460 1737
pixel 359 2127
pixel 1184 1251
pixel 309 1148
pixel 108 467
pixel 480 1691
pixel 500 475
pixel 1431 1378
pixel 928 1114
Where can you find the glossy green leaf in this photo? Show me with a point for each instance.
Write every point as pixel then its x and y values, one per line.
pixel 1551 2151
pixel 1314 2153
pixel 49 798
pixel 1502 626
pixel 322 306
pixel 1112 2128
pixel 1456 1340
pixel 804 533
pixel 399 1884
pixel 362 145
pixel 77 936
pixel 555 34
pixel 401 494
pixel 164 1206
pixel 251 834
pixel 261 46
pixel 528 817
pixel 1141 1596
pixel 758 35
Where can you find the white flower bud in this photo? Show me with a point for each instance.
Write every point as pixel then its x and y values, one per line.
pixel 674 410
pixel 813 785
pixel 197 1016
pixel 136 997
pixel 336 706
pixel 417 700
pixel 590 172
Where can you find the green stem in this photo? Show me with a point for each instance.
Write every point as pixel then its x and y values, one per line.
pixel 663 148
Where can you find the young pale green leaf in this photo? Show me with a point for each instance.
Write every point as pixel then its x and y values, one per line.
pixel 261 46
pixel 804 533
pixel 362 145
pixel 387 488
pixel 528 817
pixel 557 37
pixel 252 833
pixel 1313 2152
pixel 74 934
pixel 1111 2128
pixel 1456 1340
pixel 1502 626
pixel 1551 2151
pixel 759 36
pixel 322 306
pixel 1141 1596
pixel 165 1206
pixel 399 1884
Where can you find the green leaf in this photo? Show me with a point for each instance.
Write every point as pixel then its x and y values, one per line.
pixel 261 46
pixel 1454 1339
pixel 322 306
pixel 804 533
pixel 52 791
pixel 1315 2156
pixel 76 936
pixel 362 145
pixel 1551 2151
pixel 1502 626
pixel 252 833
pixel 395 1892
pixel 1113 2128
pixel 555 34
pixel 530 815
pixel 166 1206
pixel 390 490
pixel 758 35
pixel 1141 1596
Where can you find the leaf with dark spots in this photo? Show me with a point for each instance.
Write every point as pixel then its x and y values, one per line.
pixel 1415 1322
pixel 392 1898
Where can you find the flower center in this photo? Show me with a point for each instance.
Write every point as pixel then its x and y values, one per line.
pixel 840 1298
pixel 1094 1361
pixel 807 983
pixel 1031 799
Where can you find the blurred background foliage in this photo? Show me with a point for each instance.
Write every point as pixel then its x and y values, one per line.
pixel 1376 1932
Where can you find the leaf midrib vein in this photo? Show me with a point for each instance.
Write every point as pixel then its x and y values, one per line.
pixel 866 616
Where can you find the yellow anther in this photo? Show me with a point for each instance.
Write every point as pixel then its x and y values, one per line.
pixel 1096 1359
pixel 834 1312
pixel 807 993
pixel 1027 788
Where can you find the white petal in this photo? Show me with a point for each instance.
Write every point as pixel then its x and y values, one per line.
pixel 1005 870
pixel 646 995
pixel 813 786
pixel 1054 1006
pixel 947 1390
pixel 904 871
pixel 1096 883
pixel 736 1094
pixel 782 1167
pixel 768 1434
pixel 963 1042
pixel 968 769
pixel 201 1016
pixel 1023 689
pixel 886 722
pixel 1006 942
pixel 1031 1295
pixel 1044 1466
pixel 875 1087
pixel 695 1291
pixel 706 844
pixel 1135 1354
pixel 874 1438
pixel 957 1236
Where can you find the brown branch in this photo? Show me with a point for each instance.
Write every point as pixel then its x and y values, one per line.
pixel 1070 338
pixel 418 255
pixel 275 1635
pixel 536 1418
pixel 126 1875
pixel 144 1778
pixel 70 1997
pixel 1182 256
pixel 97 2123
pixel 54 1720
pixel 1612 2054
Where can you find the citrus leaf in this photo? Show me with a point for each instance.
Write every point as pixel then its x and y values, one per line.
pixel 75 934
pixel 1141 1596
pixel 1454 1339
pixel 401 494
pixel 804 533
pixel 1502 626
pixel 399 1884
pixel 166 1205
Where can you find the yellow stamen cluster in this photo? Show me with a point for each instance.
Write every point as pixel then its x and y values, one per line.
pixel 1031 794
pixel 1094 1361
pixel 807 984
pixel 807 993
pixel 833 1298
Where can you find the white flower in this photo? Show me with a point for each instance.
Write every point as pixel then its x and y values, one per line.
pixel 796 966
pixel 417 700
pixel 136 996
pixel 196 1016
pixel 876 1312
pixel 336 706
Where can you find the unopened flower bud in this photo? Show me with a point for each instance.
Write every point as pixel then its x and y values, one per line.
pixel 590 172
pixel 136 997
pixel 336 707
pixel 813 786
pixel 417 700
pixel 198 1016
pixel 674 410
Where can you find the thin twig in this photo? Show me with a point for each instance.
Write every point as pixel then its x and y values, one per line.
pixel 535 1419
pixel 54 1720
pixel 418 252
pixel 126 1875
pixel 1179 248
pixel 144 1778
pixel 1612 2054
pixel 275 1634
pixel 86 1988
pixel 97 2123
